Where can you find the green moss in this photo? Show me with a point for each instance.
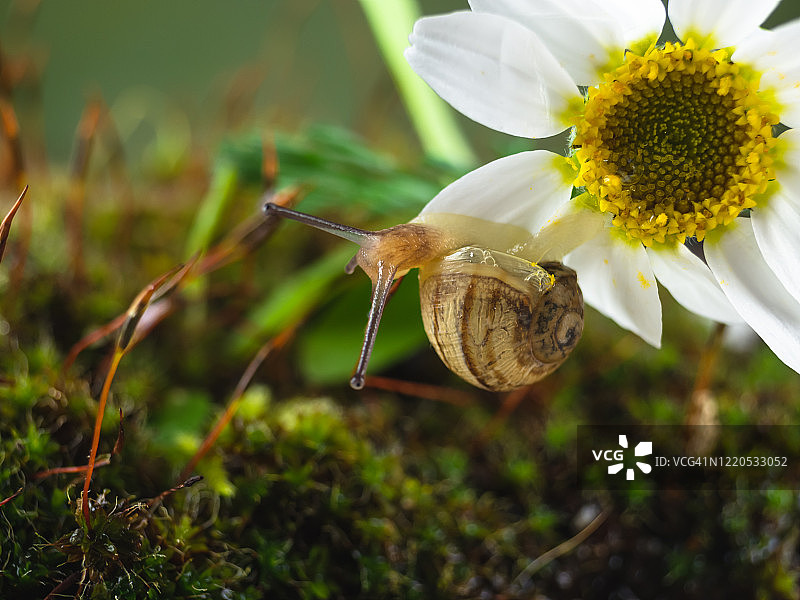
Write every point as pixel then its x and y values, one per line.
pixel 314 492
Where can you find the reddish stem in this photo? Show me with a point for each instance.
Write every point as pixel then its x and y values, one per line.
pixel 96 437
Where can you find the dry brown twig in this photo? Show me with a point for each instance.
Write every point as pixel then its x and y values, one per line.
pixel 5 226
pixel 233 404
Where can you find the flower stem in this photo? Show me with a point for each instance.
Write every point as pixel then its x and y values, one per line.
pixel 708 360
pixel 703 408
pixel 436 127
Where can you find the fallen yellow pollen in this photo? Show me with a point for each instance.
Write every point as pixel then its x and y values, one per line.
pixel 643 280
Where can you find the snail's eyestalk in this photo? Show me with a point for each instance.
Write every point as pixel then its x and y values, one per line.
pixel 383 255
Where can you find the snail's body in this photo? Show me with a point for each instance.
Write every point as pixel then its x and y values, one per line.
pixel 496 319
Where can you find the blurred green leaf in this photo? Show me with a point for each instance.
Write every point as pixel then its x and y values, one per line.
pixel 222 188
pixel 295 297
pixel 183 414
pixel 336 165
pixel 343 172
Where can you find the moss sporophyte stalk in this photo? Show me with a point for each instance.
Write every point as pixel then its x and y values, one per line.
pixel 675 142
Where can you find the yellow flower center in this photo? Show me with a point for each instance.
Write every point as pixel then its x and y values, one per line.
pixel 675 143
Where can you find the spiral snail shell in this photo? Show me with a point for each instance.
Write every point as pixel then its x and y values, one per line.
pixel 496 320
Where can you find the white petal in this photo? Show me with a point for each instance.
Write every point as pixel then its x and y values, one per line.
pixel 616 279
pixel 720 23
pixel 692 284
pixel 755 291
pixel 774 53
pixel 495 71
pixel 607 25
pixel 787 167
pixel 638 19
pixel 776 227
pixel 581 35
pixel 573 225
pixel 524 189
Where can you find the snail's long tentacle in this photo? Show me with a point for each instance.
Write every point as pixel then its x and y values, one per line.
pixel 380 292
pixel 359 236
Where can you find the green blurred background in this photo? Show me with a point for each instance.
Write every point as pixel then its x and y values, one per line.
pixel 446 498
pixel 180 67
pixel 293 62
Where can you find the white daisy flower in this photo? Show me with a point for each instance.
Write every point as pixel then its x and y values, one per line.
pixel 669 143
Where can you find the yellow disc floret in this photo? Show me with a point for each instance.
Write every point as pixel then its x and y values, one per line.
pixel 675 143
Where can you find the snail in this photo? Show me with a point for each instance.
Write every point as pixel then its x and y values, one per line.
pixel 497 320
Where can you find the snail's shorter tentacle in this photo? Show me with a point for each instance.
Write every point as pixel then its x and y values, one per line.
pixel 380 293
